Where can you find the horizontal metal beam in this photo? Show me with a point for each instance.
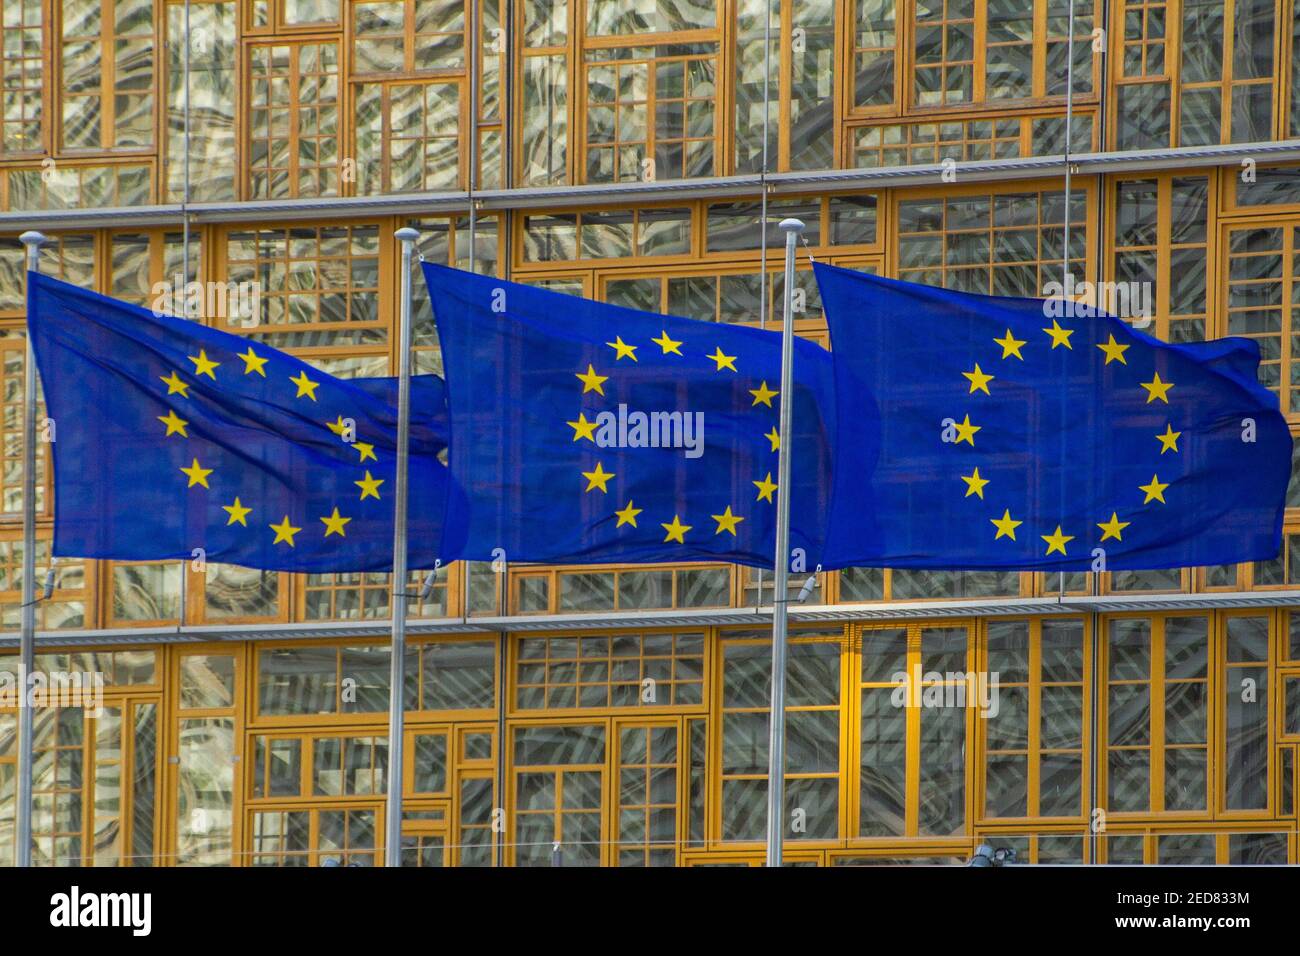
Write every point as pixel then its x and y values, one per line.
pixel 66 219
pixel 630 194
pixel 997 170
pixel 641 620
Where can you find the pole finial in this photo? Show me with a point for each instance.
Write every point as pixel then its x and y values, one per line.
pixel 792 225
pixel 33 240
pixel 407 234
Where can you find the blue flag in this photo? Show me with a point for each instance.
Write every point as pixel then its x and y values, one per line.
pixel 984 432
pixel 585 433
pixel 174 440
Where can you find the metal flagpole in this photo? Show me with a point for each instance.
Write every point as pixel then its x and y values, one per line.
pixel 781 564
pixel 26 646
pixel 1067 284
pixel 397 665
pixel 1069 121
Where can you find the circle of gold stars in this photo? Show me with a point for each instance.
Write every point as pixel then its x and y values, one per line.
pixel 597 479
pixel 238 513
pixel 1112 529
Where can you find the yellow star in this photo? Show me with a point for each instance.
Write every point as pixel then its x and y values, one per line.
pixel 1169 440
pixel 667 344
pixel 369 486
pixel 628 515
pixel 338 426
pixel 284 531
pixel 591 382
pixel 583 428
pixel 765 488
pixel 305 385
pixel 676 530
pixel 1006 525
pixel 365 450
pixel 774 437
pixel 1056 541
pixel 1059 335
pixel 1113 527
pixel 724 361
pixel 203 365
pixel 175 424
pixel 966 431
pixel 174 385
pixel 974 483
pixel 253 362
pixel 763 394
pixel 597 478
pixel 979 380
pixel 1010 346
pixel 1155 491
pixel 198 475
pixel 726 522
pixel 237 512
pixel 1114 351
pixel 334 524
pixel 622 349
pixel 1157 389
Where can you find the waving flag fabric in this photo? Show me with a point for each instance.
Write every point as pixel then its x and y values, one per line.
pixel 947 431
pixel 981 432
pixel 170 437
pixel 583 432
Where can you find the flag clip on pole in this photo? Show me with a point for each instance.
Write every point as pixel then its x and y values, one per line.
pixel 27 636
pixel 397 663
pixel 781 564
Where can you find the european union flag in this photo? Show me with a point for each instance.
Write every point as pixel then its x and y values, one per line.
pixel 585 433
pixel 174 440
pixel 984 432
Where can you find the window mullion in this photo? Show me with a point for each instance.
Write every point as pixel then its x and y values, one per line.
pixel 408 43
pixel 107 73
pixel 979 52
pixel 784 85
pixel 1158 697
pixel 1226 70
pixel 912 800
pixel 1164 233
pixel 1040 62
pixel 1034 717
pixel 1291 313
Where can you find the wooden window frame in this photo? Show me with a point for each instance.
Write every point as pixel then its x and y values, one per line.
pixel 79 168
pixel 1156 746
pixel 107 109
pixel 840 636
pixel 904 102
pixel 578 713
pixel 912 770
pixel 1051 267
pixel 293 110
pixel 1034 685
pixel 282 234
pixel 24 66
pixel 1268 700
pixel 1171 77
pixel 177 717
pixel 383 177
pixel 557 811
pixel 1290 253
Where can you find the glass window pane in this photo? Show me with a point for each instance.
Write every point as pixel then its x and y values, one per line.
pixel 459 675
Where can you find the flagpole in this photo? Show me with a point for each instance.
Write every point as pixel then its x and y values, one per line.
pixel 27 636
pixel 781 563
pixel 397 664
pixel 1067 275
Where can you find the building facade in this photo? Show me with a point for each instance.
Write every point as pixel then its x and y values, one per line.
pixel 629 150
